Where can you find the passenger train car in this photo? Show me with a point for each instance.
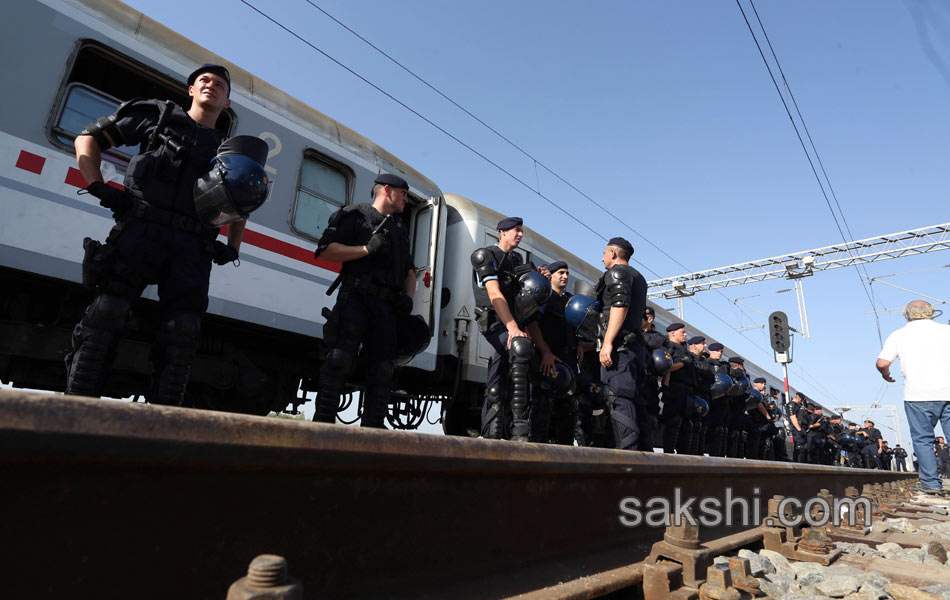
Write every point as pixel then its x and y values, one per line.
pixel 76 61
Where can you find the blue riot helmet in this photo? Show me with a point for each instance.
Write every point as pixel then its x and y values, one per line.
pixel 236 185
pixel 696 407
pixel 660 362
pixel 720 385
pixel 817 442
pixel 740 385
pixel 753 398
pixel 583 314
pixel 596 394
pixel 846 439
pixel 533 294
pixel 560 383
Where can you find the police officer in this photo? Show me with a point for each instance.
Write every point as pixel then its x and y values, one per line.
pixel 756 419
pixel 377 282
pixel 694 422
pixel 622 292
pixel 559 340
pixel 681 380
pixel 873 445
pixel 800 421
pixel 886 454
pixel 496 285
pixel 835 431
pixel 650 390
pixel 816 435
pixel 900 458
pixel 158 238
pixel 738 435
pixel 717 422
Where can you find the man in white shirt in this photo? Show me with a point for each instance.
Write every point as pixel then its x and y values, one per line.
pixel 923 347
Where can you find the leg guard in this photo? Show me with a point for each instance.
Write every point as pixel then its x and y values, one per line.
pixel 379 382
pixel 683 440
pixel 743 441
pixel 333 375
pixel 671 433
pixel 732 450
pixel 493 414
pixel 565 416
pixel 697 441
pixel 539 419
pixel 647 425
pixel 723 440
pixel 520 354
pixel 623 418
pixel 174 351
pixel 753 445
pixel 94 342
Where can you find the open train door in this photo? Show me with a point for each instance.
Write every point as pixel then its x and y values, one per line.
pixel 427 229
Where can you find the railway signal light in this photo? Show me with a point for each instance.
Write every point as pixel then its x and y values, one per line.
pixel 779 334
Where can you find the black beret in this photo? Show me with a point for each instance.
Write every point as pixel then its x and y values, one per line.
pixel 392 181
pixel 674 327
pixel 759 380
pixel 649 311
pixel 714 346
pixel 738 360
pixel 620 243
pixel 508 223
pixel 696 339
pixel 216 69
pixel 557 266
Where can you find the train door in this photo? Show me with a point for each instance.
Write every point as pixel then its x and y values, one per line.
pixel 427 226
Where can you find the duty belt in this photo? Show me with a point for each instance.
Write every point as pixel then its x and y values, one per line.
pixel 368 286
pixel 141 209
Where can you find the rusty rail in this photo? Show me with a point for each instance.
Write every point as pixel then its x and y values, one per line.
pixel 165 502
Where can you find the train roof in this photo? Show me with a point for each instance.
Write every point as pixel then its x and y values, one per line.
pixel 189 55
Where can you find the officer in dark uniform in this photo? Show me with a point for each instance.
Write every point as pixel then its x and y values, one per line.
pixel 496 284
pixel 873 445
pixel 622 292
pixel 650 390
pixel 817 434
pixel 377 282
pixel 886 454
pixel 717 422
pixel 900 458
pixel 561 342
pixel 681 380
pixel 158 238
pixel 694 423
pixel 756 420
pixel 835 429
pixel 737 409
pixel 799 418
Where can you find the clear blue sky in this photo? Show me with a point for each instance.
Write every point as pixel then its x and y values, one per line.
pixel 664 113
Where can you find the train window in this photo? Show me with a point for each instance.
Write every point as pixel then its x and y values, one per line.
pixel 323 188
pixel 422 236
pixel 98 80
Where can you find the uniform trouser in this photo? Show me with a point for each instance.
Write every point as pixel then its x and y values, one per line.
pixel 671 414
pixel 147 253
pixel 648 406
pixel 366 340
pixel 799 454
pixel 902 464
pixel 622 378
pixel 507 386
pixel 592 428
pixel 872 460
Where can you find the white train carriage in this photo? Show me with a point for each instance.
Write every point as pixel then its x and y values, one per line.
pixel 76 61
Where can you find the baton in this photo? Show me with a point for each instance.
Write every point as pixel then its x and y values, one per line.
pixel 339 278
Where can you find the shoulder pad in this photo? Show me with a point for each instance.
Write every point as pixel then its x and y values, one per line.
pixel 138 104
pixel 619 283
pixel 483 261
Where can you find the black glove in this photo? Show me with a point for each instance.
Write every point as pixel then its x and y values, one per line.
pixel 118 201
pixel 224 253
pixel 403 305
pixel 379 242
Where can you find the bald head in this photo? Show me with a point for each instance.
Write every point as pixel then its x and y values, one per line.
pixel 919 309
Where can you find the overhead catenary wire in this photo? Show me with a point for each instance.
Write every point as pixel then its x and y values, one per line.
pixel 808 156
pixel 495 164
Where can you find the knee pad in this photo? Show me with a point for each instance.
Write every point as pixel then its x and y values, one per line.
pixel 340 361
pixel 521 350
pixel 495 394
pixel 181 330
pixel 108 311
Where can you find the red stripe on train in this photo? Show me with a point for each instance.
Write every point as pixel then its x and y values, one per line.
pixel 266 242
pixel 30 162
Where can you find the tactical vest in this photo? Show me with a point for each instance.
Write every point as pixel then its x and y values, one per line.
pixel 388 269
pixel 506 263
pixel 163 177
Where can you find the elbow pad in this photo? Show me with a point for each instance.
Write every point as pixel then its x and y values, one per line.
pixel 102 130
pixel 484 264
pixel 619 284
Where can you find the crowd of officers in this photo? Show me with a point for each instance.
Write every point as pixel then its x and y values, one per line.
pixel 592 369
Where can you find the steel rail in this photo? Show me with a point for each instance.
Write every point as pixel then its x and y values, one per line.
pixel 131 500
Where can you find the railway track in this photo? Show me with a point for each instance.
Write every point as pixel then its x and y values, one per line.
pixel 130 500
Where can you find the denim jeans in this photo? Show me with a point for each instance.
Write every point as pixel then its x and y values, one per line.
pixel 922 418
